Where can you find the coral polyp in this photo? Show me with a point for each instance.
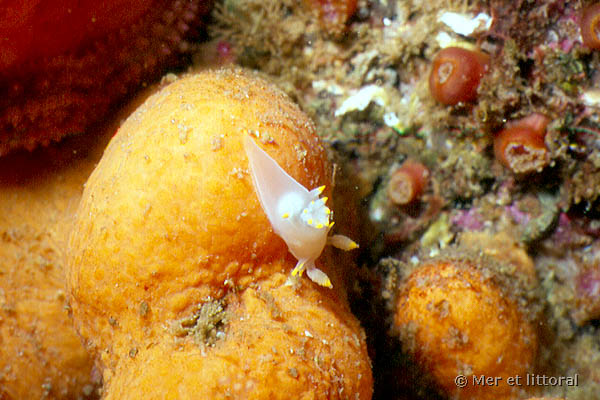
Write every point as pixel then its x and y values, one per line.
pixel 408 182
pixel 456 73
pixel 590 26
pixel 520 147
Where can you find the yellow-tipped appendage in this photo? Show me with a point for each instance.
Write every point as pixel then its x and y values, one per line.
pixel 298 269
pixel 342 242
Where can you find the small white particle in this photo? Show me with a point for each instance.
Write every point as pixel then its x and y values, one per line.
pixel 377 214
pixel 444 39
pixel 329 87
pixel 362 98
pixel 391 119
pixel 466 24
pixel 591 97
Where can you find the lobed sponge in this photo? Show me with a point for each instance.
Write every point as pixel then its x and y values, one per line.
pixel 178 281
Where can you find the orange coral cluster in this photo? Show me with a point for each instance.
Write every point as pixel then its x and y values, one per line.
pixel 177 281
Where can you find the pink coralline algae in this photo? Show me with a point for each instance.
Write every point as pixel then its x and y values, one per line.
pixel 468 220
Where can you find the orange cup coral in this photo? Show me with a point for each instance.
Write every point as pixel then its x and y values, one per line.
pixel 178 281
pixel 455 74
pixel 521 147
pixel 408 182
pixel 590 24
pixel 458 324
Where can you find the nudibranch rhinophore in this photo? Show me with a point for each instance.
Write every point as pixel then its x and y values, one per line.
pixel 299 216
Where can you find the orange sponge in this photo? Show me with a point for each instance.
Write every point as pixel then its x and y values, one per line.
pixel 175 268
pixel 455 320
pixel 41 355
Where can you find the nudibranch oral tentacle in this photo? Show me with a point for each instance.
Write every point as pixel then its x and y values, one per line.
pixel 299 216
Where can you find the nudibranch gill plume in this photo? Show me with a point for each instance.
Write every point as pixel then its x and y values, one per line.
pixel 299 216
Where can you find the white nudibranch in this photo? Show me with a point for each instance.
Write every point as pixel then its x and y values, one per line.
pixel 299 216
